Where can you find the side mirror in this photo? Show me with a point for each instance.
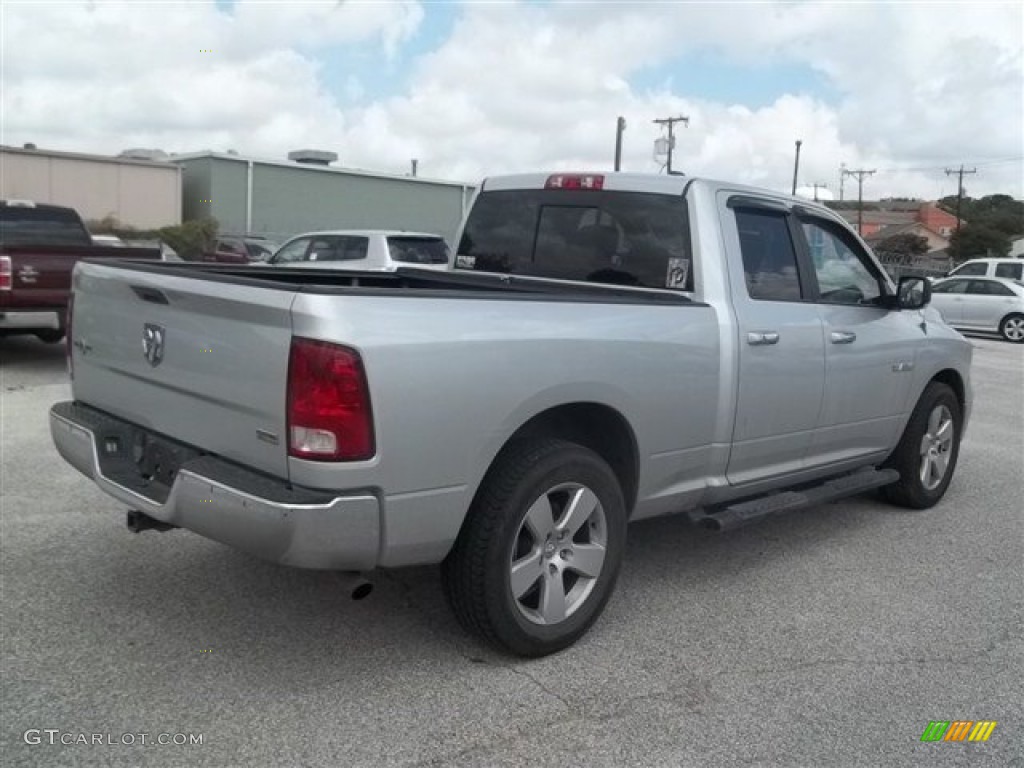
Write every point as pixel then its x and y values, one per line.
pixel 914 293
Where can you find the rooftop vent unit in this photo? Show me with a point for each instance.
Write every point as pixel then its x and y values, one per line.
pixel 153 155
pixel 313 156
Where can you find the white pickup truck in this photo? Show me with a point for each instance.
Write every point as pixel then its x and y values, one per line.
pixel 606 348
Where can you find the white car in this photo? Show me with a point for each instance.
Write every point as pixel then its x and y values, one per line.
pixel 982 304
pixel 370 250
pixel 1012 269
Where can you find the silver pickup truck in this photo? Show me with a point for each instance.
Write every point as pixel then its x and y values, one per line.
pixel 605 348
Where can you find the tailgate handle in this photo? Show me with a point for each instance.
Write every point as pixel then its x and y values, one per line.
pixel 152 295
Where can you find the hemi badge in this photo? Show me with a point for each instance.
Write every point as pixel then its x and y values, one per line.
pixel 899 367
pixel 266 436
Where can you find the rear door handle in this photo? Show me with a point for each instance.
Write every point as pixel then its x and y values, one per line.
pixel 843 337
pixel 762 338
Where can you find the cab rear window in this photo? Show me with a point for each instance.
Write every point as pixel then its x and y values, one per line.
pixel 41 226
pixel 625 238
pixel 418 250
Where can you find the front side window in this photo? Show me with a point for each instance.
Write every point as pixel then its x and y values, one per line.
pixel 338 248
pixel 952 286
pixel 978 268
pixel 769 258
pixel 1012 271
pixel 291 252
pixel 843 274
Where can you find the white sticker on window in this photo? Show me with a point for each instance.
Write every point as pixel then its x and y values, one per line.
pixel 678 271
pixel 467 262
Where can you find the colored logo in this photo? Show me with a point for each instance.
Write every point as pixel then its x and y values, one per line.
pixel 958 730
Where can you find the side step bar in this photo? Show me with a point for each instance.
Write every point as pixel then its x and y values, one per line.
pixel 738 515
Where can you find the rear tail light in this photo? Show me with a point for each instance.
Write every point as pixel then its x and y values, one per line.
pixel 67 333
pixel 329 416
pixel 6 273
pixel 574 181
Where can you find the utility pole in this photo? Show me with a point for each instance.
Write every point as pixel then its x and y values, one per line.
pixel 818 185
pixel 959 195
pixel 860 174
pixel 415 164
pixel 842 176
pixel 796 165
pixel 619 128
pixel 670 122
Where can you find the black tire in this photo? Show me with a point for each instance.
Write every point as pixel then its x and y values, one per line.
pixel 912 490
pixel 477 574
pixel 50 336
pixel 1012 328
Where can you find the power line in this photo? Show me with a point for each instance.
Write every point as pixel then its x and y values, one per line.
pixel 860 174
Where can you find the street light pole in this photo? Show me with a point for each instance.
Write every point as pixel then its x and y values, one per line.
pixel 796 164
pixel 619 128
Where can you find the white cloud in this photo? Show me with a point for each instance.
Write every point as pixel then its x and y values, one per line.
pixel 531 86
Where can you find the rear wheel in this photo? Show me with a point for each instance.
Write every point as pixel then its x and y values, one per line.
pixel 927 453
pixel 1012 328
pixel 539 554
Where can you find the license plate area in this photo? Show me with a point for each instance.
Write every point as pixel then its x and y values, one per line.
pixel 140 460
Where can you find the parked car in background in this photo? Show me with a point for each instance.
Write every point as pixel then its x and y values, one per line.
pixel 240 250
pixel 113 240
pixel 39 246
pixel 982 304
pixel 1012 269
pixel 365 250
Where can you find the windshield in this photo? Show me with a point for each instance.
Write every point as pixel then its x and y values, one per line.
pixel 627 238
pixel 41 226
pixel 418 250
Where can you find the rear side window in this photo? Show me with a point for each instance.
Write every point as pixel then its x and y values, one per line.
pixel 989 288
pixel 625 238
pixel 1012 271
pixel 769 258
pixel 41 226
pixel 418 250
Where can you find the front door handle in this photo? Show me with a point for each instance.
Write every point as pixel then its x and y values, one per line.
pixel 843 337
pixel 761 338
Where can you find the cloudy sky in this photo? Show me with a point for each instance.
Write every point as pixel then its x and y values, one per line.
pixel 475 88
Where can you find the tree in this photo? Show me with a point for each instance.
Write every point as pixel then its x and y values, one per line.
pixel 902 249
pixel 190 240
pixel 978 241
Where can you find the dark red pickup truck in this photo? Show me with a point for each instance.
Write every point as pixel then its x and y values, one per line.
pixel 39 247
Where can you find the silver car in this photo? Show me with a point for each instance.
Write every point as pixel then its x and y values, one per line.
pixel 982 304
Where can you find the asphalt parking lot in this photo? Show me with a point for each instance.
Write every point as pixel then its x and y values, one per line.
pixel 826 637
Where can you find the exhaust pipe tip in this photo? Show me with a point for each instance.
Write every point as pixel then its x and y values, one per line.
pixel 357 585
pixel 361 590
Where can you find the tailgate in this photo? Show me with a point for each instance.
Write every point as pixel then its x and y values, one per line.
pixel 201 361
pixel 41 277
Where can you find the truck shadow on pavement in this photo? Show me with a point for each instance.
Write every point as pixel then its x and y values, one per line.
pixel 275 625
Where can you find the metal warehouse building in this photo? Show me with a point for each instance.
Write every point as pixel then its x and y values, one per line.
pixel 281 198
pixel 140 193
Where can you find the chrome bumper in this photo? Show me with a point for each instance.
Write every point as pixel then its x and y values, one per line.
pixel 17 319
pixel 303 528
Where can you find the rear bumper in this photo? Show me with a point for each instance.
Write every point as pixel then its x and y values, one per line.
pixel 263 516
pixel 30 319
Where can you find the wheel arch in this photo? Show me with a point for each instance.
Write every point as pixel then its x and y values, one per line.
pixel 951 378
pixel 596 426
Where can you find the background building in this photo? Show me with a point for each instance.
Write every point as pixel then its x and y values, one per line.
pixel 281 198
pixel 136 189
